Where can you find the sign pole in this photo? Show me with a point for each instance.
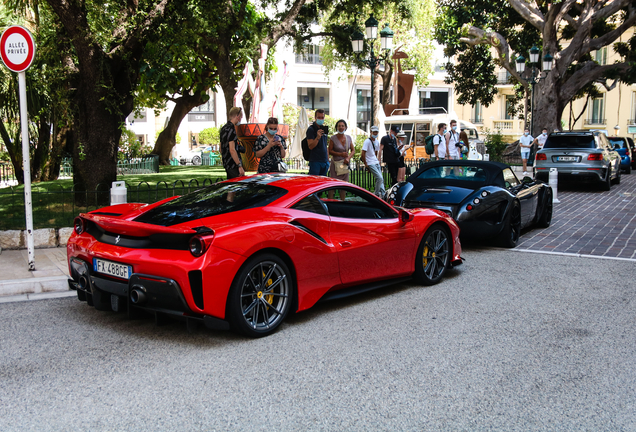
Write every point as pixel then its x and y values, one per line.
pixel 26 163
pixel 17 49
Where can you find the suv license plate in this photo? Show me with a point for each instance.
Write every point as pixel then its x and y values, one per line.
pixel 566 159
pixel 111 268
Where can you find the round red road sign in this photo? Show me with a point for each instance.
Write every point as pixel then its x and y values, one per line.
pixel 17 48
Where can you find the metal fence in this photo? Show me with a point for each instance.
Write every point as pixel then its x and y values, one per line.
pixel 7 176
pixel 55 206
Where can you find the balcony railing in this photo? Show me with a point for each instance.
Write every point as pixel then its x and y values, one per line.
pixel 503 78
pixel 503 124
pixel 594 121
pixel 477 120
pixel 308 59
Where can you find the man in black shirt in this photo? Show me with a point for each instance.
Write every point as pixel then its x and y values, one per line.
pixel 229 144
pixel 390 152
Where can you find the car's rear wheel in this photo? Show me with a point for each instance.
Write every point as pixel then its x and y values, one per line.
pixel 261 296
pixel 546 216
pixel 433 255
pixel 196 160
pixel 509 236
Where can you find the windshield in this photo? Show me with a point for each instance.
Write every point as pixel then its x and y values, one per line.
pixel 570 141
pixel 620 141
pixel 214 200
pixel 468 173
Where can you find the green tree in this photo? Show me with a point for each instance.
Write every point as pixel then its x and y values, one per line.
pixel 569 30
pixel 209 136
pixel 106 42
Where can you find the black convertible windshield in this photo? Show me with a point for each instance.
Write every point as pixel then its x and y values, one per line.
pixel 455 172
pixel 213 200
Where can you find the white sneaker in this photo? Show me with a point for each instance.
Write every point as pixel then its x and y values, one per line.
pixel 525 173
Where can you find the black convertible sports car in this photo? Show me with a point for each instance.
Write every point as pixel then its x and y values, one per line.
pixel 485 198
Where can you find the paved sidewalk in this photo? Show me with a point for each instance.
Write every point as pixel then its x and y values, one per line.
pixel 49 279
pixel 590 222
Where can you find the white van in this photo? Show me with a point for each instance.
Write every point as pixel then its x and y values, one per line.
pixel 418 127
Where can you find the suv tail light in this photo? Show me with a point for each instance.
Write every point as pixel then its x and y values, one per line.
pixel 541 156
pixel 595 157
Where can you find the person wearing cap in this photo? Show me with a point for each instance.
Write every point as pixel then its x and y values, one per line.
pixel 391 152
pixel 401 175
pixel 369 156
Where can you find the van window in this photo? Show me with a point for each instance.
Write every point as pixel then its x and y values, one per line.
pixel 472 133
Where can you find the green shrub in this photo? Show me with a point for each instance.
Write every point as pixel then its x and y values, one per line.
pixel 495 145
pixel 209 136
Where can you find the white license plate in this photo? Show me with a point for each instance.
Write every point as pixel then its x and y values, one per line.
pixel 566 159
pixel 111 268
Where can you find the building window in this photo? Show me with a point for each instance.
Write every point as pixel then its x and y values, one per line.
pixel 433 102
pixel 477 113
pixel 632 119
pixel 363 109
pixel 203 112
pixel 509 107
pixel 597 112
pixel 309 55
pixel 314 98
pixel 601 56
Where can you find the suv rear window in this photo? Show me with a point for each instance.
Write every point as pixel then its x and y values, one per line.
pixel 570 141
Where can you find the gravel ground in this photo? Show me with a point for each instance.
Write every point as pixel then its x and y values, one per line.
pixel 508 341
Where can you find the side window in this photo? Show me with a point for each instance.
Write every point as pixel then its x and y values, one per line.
pixel 353 204
pixel 311 204
pixel 510 178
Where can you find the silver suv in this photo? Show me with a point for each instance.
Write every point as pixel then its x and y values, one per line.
pixel 580 156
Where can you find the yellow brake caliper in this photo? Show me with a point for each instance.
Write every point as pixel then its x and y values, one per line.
pixel 425 256
pixel 270 297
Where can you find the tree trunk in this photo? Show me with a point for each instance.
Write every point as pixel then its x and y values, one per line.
pixel 548 106
pixel 167 138
pixel 42 151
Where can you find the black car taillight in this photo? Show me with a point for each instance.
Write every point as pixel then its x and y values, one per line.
pixel 79 225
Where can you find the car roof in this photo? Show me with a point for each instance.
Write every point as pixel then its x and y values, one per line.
pixel 578 132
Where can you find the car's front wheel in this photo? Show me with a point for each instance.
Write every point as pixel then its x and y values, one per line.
pixel 261 296
pixel 433 255
pixel 509 236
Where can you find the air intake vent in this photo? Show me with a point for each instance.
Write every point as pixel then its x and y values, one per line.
pixel 196 286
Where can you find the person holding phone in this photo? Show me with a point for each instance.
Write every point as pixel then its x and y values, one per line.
pixel 317 136
pixel 270 148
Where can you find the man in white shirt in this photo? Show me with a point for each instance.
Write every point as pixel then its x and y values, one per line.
pixel 452 139
pixel 369 157
pixel 439 142
pixel 525 142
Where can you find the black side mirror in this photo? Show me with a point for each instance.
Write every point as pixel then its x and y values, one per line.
pixel 527 179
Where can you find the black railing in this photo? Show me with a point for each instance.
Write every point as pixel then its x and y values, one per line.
pixel 477 120
pixel 7 176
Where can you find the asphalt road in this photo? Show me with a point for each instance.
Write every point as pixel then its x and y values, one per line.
pixel 509 341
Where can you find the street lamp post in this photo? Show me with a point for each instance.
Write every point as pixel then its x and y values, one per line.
pixel 536 76
pixel 386 44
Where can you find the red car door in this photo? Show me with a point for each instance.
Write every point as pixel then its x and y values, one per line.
pixel 371 241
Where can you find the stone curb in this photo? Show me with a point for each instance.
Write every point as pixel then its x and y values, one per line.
pixel 29 286
pixel 37 296
pixel 42 238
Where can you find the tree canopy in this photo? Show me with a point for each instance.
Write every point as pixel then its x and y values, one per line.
pixel 570 30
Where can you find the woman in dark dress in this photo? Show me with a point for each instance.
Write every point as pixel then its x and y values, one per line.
pixel 270 147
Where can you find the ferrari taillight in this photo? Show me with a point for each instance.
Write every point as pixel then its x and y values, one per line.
pixel 79 225
pixel 199 244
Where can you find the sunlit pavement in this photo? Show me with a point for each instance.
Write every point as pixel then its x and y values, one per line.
pixel 588 221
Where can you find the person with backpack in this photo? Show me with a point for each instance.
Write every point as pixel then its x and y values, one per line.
pixel 369 156
pixel 439 143
pixel 391 152
pixel 453 147
pixel 317 136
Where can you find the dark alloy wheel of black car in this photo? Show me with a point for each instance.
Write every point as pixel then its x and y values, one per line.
pixel 486 199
